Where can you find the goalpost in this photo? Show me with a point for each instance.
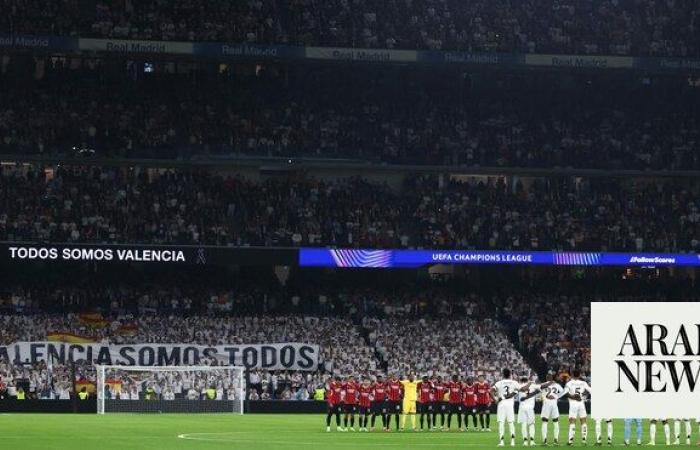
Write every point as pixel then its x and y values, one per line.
pixel 170 389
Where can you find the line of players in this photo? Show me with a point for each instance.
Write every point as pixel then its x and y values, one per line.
pixel 507 390
pixel 576 390
pixel 447 399
pixel 452 401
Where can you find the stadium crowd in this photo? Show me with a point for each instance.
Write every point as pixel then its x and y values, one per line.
pixel 538 323
pixel 56 382
pixel 466 347
pixel 372 117
pixel 38 381
pixel 117 205
pixel 343 348
pixel 125 384
pixel 87 105
pixel 552 317
pixel 563 343
pixel 347 347
pixel 659 28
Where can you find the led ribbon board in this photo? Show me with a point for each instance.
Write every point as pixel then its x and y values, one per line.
pixel 349 258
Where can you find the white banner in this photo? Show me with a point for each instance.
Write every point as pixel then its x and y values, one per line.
pixel 285 356
pixel 645 359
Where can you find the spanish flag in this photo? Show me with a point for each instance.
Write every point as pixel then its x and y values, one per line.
pixel 128 329
pixel 114 385
pixel 62 336
pixel 79 385
pixel 94 320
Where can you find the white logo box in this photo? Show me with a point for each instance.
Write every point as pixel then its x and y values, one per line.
pixel 644 360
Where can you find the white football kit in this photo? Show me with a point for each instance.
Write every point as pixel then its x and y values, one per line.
pixel 550 407
pixel 577 408
pixel 506 406
pixel 526 411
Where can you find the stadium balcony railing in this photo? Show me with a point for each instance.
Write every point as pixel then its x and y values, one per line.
pixel 265 52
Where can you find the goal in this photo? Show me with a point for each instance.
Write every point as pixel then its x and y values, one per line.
pixel 170 389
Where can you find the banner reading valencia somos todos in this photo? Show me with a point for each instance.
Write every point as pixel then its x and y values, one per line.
pixel 278 356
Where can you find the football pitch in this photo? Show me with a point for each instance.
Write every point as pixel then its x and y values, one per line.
pixel 213 432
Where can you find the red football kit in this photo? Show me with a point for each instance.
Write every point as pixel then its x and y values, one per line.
pixel 469 395
pixel 351 393
pixel 483 394
pixel 334 393
pixel 440 390
pixel 379 392
pixel 394 391
pixel 455 393
pixel 425 392
pixel 365 393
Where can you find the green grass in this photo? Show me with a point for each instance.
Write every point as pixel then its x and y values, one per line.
pixel 213 432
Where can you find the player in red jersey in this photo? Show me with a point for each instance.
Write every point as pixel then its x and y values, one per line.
pixel 394 394
pixel 455 390
pixel 483 402
pixel 350 401
pixel 379 404
pixel 365 402
pixel 425 401
pixel 334 392
pixel 440 405
pixel 469 402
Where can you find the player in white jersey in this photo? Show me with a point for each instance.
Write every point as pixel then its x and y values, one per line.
pixel 551 393
pixel 652 431
pixel 599 431
pixel 677 431
pixel 576 390
pixel 526 411
pixel 504 393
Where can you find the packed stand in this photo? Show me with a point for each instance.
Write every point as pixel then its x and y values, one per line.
pixel 346 348
pixel 134 308
pixel 563 343
pixel 123 384
pixel 464 346
pixel 113 205
pixel 668 28
pixel 445 346
pixel 553 324
pixel 424 120
pixel 537 323
pixel 39 381
pixel 659 28
pixel 343 348
pixel 55 382
pixel 180 20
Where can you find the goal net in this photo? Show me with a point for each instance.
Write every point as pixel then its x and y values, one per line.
pixel 170 389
